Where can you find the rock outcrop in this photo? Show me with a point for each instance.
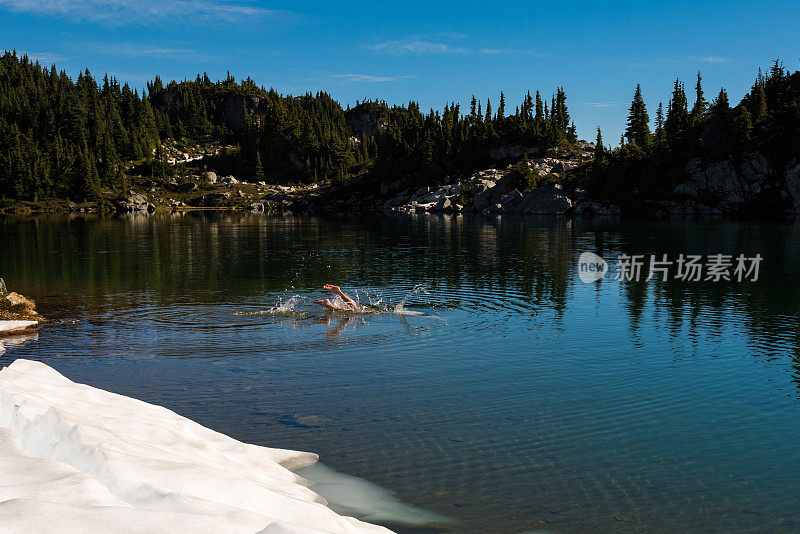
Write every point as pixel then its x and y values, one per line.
pixel 496 191
pixel 544 201
pixel 725 185
pixel 135 203
pixel 15 307
pixel 792 176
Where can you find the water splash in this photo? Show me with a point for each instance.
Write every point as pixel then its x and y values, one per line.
pixel 290 307
pixel 371 302
pixel 419 288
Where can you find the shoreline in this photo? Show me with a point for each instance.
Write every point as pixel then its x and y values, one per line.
pixel 549 185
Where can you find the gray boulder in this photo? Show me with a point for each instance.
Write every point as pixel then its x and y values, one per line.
pixel 593 208
pixel 544 201
pixel 229 180
pixel 444 204
pixel 211 177
pixel 511 199
pixel 755 167
pixel 483 199
pixel 793 183
pixel 722 178
pixel 135 203
pixel 694 166
pixel 188 186
pixel 397 201
pixel 687 189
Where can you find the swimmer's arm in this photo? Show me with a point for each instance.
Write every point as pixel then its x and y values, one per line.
pixel 350 302
pixel 327 304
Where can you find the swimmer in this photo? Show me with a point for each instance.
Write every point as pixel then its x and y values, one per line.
pixel 350 304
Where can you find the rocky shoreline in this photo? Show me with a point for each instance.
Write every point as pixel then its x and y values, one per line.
pixel 749 185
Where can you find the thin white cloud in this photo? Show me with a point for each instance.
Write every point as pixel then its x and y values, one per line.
pixel 600 104
pixel 652 63
pixel 442 44
pixel 135 50
pixel 509 52
pixel 369 78
pixel 416 46
pixel 120 12
pixel 712 59
pixel 45 58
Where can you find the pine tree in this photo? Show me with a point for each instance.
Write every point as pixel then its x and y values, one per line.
pixel 259 169
pixel 677 120
pixel 488 110
pixel 721 107
pixel 501 109
pixel 743 124
pixel 527 107
pixel 638 130
pixel 759 108
pixel 539 108
pixel 700 104
pixel 659 134
pixel 599 150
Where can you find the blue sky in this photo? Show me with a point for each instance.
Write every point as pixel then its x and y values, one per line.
pixel 432 52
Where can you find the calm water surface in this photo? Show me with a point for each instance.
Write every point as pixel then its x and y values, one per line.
pixel 519 399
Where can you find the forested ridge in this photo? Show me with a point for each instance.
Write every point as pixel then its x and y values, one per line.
pixel 650 162
pixel 86 138
pixel 82 138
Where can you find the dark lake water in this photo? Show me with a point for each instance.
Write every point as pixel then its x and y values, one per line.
pixel 520 398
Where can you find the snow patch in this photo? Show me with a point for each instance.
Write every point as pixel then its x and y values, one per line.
pixel 74 458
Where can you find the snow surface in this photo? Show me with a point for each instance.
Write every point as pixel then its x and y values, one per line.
pixel 13 326
pixel 9 338
pixel 77 459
